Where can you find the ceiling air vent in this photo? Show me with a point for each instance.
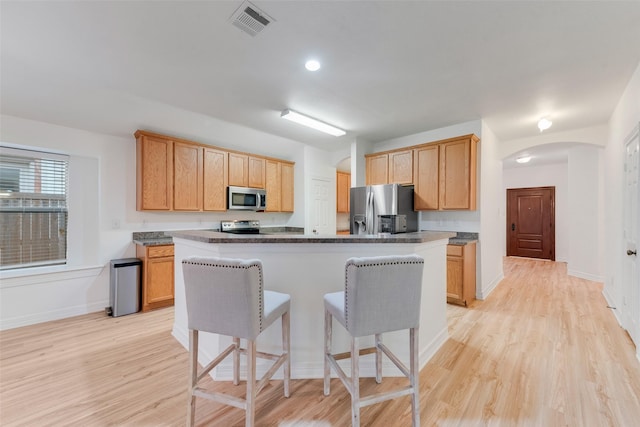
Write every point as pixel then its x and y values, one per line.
pixel 250 19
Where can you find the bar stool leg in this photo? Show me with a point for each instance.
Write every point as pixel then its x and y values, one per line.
pixel 327 351
pixel 193 376
pixel 236 361
pixel 415 375
pixel 378 359
pixel 251 383
pixel 355 383
pixel 286 348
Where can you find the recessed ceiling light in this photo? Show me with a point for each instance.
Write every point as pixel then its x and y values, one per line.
pixel 544 124
pixel 523 159
pixel 312 65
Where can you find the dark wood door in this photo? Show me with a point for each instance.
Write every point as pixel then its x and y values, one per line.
pixel 531 222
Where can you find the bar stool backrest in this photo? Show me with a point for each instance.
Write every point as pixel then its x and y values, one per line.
pixel 382 294
pixel 224 296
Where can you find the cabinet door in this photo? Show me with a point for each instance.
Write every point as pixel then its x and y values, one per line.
pixel 454 279
pixel 273 185
pixel 216 170
pixel 154 179
pixel 377 169
pixel 286 202
pixel 158 290
pixel 343 187
pixel 426 178
pixel 238 170
pixel 256 172
pixel 187 177
pixel 457 175
pixel 401 167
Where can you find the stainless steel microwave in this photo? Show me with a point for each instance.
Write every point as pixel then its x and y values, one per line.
pixel 246 199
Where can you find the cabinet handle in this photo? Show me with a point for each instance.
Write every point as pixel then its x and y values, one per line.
pixel 630 252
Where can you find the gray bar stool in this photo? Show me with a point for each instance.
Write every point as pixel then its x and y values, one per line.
pixel 226 296
pixel 382 294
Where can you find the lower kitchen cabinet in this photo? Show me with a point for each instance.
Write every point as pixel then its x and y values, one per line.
pixel 461 274
pixel 157 276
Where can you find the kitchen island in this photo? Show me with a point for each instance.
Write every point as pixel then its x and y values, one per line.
pixel 307 267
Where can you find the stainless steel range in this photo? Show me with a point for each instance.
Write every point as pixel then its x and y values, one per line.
pixel 237 226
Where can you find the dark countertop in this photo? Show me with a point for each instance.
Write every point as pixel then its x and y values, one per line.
pixel 463 238
pixel 152 238
pixel 206 236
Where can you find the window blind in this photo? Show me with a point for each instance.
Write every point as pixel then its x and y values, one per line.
pixel 33 208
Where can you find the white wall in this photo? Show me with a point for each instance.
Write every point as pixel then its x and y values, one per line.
pixel 625 117
pixel 585 222
pixel 550 175
pixel 491 203
pixel 102 212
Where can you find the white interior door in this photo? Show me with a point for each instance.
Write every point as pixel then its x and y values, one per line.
pixel 321 208
pixel 631 269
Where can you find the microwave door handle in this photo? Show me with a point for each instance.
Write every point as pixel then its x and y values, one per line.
pixel 258 201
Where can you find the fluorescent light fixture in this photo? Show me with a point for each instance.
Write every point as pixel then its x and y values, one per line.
pixel 544 124
pixel 523 159
pixel 312 65
pixel 312 123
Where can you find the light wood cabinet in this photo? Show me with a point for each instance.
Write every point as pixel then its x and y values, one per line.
pixel 216 172
pixel 238 169
pixel 461 273
pixel 343 190
pixel 154 172
pixel 174 174
pixel 426 185
pixel 157 276
pixel 246 171
pixel 187 177
pixel 458 163
pixel 401 167
pixel 279 186
pixel 256 172
pixel 377 169
pixel 286 203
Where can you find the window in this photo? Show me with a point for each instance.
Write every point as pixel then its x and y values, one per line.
pixel 33 208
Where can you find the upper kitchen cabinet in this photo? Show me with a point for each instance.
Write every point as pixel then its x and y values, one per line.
pixel 443 172
pixel 187 176
pixel 401 167
pixel 246 171
pixel 154 172
pixel 426 184
pixel 216 172
pixel 458 167
pixel 395 167
pixel 279 186
pixel 377 169
pixel 343 188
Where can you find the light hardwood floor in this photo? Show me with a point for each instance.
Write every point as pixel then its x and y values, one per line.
pixel 542 350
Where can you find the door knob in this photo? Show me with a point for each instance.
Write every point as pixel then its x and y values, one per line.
pixel 513 227
pixel 630 252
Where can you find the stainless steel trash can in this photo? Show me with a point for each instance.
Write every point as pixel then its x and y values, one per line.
pixel 124 291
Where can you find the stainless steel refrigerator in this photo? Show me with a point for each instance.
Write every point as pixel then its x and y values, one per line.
pixel 386 208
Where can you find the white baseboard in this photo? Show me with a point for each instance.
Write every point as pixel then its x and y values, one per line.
pixel 586 276
pixel 483 293
pixel 47 316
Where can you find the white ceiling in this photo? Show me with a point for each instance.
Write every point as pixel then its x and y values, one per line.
pixel 389 68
